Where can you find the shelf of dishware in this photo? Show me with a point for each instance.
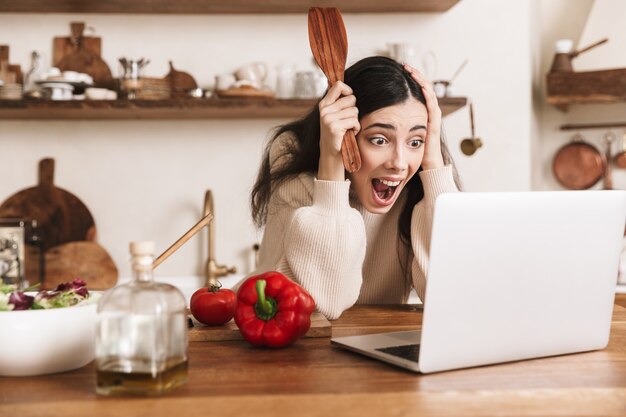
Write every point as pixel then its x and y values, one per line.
pixel 172 109
pixel 219 6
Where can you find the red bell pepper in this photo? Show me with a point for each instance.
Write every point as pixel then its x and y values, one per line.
pixel 272 310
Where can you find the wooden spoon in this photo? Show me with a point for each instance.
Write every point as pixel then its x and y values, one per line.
pixel 329 44
pixel 184 238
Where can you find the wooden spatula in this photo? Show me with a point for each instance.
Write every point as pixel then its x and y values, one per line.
pixel 329 44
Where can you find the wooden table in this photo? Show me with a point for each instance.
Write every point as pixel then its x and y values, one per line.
pixel 312 378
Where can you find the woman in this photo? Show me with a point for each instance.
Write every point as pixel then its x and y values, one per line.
pixel 360 237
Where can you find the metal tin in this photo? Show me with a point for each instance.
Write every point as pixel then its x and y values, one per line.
pixel 12 240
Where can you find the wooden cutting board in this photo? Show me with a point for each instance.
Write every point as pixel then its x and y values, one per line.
pixel 15 69
pixel 82 57
pixel 60 215
pixel 85 260
pixel 64 45
pixel 320 327
pixel 180 82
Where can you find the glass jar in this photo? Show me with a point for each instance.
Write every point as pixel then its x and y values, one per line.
pixel 141 340
pixel 305 85
pixel 285 81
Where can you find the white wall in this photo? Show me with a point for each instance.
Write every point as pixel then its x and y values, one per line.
pixel 146 179
pixel 585 22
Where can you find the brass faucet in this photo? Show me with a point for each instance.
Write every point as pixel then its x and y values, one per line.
pixel 213 270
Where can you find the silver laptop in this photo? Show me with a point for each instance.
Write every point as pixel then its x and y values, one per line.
pixel 512 276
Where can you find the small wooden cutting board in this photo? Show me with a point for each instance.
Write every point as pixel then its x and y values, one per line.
pixel 320 327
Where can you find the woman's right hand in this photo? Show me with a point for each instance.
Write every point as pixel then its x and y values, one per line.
pixel 338 114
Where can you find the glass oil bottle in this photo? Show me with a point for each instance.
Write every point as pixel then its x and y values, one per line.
pixel 141 342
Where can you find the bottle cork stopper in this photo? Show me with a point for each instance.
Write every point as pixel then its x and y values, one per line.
pixel 142 248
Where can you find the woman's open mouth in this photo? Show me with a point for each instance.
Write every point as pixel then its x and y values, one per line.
pixel 384 191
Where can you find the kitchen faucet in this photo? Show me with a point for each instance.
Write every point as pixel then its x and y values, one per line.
pixel 213 270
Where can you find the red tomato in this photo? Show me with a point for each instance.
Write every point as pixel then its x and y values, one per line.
pixel 213 306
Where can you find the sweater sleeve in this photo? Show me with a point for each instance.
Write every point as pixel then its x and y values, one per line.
pixel 323 239
pixel 325 248
pixel 436 182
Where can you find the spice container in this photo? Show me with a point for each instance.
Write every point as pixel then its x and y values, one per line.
pixel 141 343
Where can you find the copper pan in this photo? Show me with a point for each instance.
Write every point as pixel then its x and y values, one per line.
pixel 578 165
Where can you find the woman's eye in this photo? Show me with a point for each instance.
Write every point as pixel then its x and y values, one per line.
pixel 378 140
pixel 416 143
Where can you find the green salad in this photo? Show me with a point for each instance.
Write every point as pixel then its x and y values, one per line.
pixel 64 295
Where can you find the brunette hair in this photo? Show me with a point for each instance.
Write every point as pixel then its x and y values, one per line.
pixel 376 82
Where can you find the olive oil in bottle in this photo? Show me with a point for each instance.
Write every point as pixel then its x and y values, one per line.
pixel 141 344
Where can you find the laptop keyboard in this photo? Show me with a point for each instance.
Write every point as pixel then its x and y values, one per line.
pixel 408 352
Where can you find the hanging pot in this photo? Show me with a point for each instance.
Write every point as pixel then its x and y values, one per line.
pixel 578 165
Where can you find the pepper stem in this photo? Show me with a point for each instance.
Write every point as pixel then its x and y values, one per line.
pixel 265 307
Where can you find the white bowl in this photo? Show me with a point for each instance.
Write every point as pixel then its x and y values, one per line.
pixel 38 342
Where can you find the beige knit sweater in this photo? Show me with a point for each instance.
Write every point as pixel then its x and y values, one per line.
pixel 319 235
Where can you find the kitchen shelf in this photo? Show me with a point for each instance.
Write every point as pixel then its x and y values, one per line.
pixel 173 109
pixel 221 6
pixel 590 87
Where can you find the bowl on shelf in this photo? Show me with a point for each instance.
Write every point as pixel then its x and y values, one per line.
pixel 38 342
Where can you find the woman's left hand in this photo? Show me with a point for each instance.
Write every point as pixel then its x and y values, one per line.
pixel 433 158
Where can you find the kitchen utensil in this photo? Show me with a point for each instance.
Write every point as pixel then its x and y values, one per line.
pixel 4 72
pixel 450 85
pixel 320 327
pixel 563 60
pixel 131 81
pixel 83 60
pixel 608 174
pixel 329 44
pixel 85 260
pixel 132 67
pixel 578 165
pixel 60 215
pixel 34 72
pixel 255 72
pixel 620 158
pixel 65 45
pixel 471 145
pixel 15 69
pixel 445 88
pixel 224 81
pixel 184 238
pixel 180 82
